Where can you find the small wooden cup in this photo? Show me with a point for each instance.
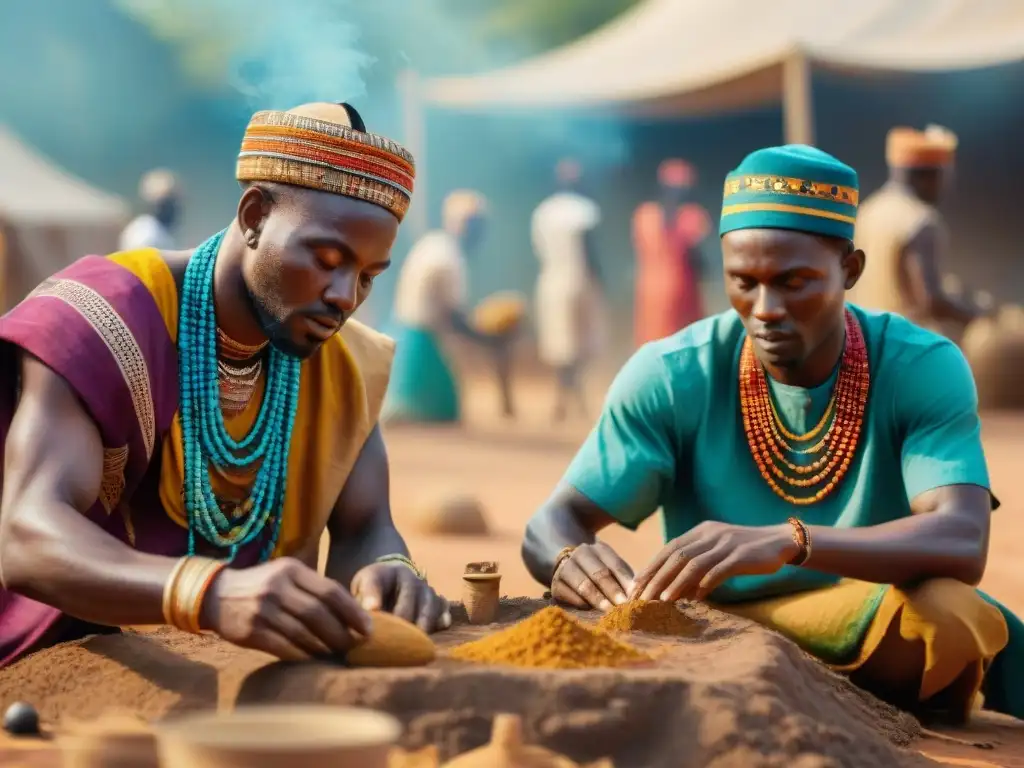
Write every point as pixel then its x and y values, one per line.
pixel 481 590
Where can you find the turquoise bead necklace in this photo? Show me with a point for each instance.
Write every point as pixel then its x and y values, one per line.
pixel 206 439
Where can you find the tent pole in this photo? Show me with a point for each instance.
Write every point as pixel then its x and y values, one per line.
pixel 797 101
pixel 415 137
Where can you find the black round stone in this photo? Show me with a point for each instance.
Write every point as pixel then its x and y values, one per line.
pixel 21 719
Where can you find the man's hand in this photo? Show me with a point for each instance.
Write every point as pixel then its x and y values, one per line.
pixel 691 566
pixel 593 576
pixel 286 609
pixel 394 587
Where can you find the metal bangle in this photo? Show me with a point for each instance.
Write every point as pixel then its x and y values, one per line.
pixel 802 538
pixel 564 554
pixel 403 560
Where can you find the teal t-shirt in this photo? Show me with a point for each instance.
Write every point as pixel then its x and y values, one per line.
pixel 671 435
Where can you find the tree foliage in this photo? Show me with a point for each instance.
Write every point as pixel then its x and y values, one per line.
pixel 542 24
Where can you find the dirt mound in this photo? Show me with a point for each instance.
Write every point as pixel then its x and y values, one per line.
pixel 731 695
pixel 450 514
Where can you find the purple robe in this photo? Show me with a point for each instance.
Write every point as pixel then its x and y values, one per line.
pixel 99 327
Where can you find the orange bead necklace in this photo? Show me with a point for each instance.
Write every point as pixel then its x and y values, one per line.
pixel 834 451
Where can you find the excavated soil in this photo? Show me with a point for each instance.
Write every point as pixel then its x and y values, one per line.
pixel 730 694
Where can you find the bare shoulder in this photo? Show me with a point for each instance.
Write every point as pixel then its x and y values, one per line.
pixel 42 386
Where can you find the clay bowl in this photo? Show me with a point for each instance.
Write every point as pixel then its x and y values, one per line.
pixel 279 737
pixel 108 742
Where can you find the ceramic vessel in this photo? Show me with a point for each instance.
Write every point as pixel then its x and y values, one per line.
pixel 279 737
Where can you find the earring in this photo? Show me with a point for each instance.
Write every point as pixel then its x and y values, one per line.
pixel 252 238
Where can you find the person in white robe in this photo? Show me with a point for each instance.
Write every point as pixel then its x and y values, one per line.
pixel 570 307
pixel 160 194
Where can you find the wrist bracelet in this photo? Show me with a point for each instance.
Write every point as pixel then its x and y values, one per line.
pixel 169 586
pixel 802 538
pixel 403 560
pixel 186 589
pixel 564 554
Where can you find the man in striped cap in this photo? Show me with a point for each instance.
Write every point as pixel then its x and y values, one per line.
pixel 819 467
pixel 902 229
pixel 180 412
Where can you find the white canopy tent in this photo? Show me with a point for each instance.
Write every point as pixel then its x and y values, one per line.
pixel 692 57
pixel 48 218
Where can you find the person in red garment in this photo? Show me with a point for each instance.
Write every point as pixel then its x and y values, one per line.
pixel 666 234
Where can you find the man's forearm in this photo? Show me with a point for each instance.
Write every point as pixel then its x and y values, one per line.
pixel 62 559
pixel 904 551
pixel 350 554
pixel 549 531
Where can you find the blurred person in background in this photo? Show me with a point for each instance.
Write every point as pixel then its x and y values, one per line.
pixel 667 234
pixel 430 302
pixel 181 428
pixel 160 194
pixel 570 306
pixel 905 236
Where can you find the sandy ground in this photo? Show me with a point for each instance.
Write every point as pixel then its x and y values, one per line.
pixel 511 466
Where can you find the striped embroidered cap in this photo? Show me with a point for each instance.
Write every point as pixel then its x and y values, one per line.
pixel 791 187
pixel 315 146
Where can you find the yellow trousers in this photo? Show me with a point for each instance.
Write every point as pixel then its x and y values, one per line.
pixel 926 648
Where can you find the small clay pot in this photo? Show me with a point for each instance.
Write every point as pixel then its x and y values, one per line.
pixel 109 742
pixel 481 592
pixel 279 737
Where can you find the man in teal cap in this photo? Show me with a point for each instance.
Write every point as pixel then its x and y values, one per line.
pixel 819 467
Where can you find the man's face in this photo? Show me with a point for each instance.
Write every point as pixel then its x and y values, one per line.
pixel 789 289
pixel 928 184
pixel 314 264
pixel 167 211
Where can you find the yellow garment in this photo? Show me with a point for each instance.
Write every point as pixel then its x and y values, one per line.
pixel 340 396
pixel 961 632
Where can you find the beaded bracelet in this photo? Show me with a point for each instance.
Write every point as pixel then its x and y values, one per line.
pixel 802 538
pixel 403 560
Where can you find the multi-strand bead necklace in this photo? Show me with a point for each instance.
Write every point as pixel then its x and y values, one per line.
pixel 830 449
pixel 206 440
pixel 239 370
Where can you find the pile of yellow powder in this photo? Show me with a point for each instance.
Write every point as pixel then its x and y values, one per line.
pixel 550 639
pixel 654 616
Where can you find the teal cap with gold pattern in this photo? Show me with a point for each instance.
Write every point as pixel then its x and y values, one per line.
pixel 792 187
